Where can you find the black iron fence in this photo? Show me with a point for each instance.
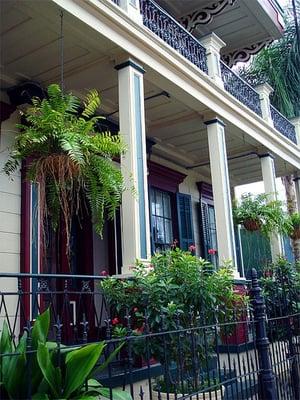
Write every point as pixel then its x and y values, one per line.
pixel 253 353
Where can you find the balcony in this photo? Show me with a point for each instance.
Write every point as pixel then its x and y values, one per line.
pixel 175 35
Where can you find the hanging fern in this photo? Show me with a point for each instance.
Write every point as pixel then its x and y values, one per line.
pixel 69 160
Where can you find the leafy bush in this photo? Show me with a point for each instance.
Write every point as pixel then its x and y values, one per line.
pixel 48 371
pixel 259 213
pixel 177 291
pixel 281 289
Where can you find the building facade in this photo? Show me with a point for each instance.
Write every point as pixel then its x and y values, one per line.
pixel 194 129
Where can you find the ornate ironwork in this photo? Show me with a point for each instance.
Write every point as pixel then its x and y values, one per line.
pixel 117 2
pixel 240 89
pixel 243 55
pixel 204 15
pixel 283 125
pixel 171 32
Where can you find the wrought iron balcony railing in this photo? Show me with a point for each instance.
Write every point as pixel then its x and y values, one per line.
pixel 240 89
pixel 171 32
pixel 283 125
pixel 175 35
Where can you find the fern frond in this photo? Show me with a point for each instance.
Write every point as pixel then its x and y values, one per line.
pixel 91 103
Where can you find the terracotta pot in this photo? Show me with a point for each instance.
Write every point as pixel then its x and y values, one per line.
pixel 295 234
pixel 252 224
pixel 214 395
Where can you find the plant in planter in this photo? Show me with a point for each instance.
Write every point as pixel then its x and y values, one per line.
pixel 177 291
pixel 258 213
pixel 68 159
pixel 294 220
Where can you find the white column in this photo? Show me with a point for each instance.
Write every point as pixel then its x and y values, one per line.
pixel 296 122
pixel 264 91
pixel 221 191
pixel 269 178
pixel 132 8
pixel 213 45
pixel 297 190
pixel 135 206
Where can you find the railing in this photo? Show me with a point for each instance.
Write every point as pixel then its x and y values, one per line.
pixel 190 356
pixel 240 89
pixel 171 32
pixel 283 125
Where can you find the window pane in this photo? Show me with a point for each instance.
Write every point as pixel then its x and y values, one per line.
pixel 167 205
pixel 159 203
pixel 160 232
pixel 168 231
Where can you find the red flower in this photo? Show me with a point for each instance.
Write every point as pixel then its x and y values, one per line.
pixel 212 251
pixel 115 321
pixel 192 248
pixel 104 273
pixel 135 309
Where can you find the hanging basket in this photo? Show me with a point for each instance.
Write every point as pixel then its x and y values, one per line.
pixel 295 235
pixel 252 225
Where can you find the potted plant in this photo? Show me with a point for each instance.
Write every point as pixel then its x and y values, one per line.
pixel 259 213
pixel 294 220
pixel 69 160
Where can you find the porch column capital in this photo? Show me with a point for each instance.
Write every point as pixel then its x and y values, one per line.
pixel 264 90
pixel 135 207
pixel 213 45
pixel 269 179
pixel 221 191
pixel 296 122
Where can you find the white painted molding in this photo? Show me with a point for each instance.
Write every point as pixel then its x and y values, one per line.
pixel 132 8
pixel 296 122
pixel 264 91
pixel 213 45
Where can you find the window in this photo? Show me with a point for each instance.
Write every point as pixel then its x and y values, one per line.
pixel 161 218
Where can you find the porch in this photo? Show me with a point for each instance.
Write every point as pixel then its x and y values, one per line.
pixel 176 148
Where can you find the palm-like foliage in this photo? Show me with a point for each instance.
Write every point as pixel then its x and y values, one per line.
pixel 279 65
pixel 67 159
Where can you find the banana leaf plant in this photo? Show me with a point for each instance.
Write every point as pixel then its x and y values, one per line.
pixel 72 164
pixel 38 369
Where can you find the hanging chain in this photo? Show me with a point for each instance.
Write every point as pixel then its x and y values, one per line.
pixel 62 51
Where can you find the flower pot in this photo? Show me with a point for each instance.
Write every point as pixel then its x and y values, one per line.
pixel 295 235
pixel 213 395
pixel 252 224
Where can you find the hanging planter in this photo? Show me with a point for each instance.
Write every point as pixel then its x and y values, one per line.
pixel 259 213
pixel 252 224
pixel 71 163
pixel 294 220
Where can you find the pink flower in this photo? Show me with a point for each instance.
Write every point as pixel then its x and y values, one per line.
pixel 135 309
pixel 192 248
pixel 212 251
pixel 104 273
pixel 115 321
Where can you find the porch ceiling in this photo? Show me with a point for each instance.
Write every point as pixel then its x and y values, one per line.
pixel 30 50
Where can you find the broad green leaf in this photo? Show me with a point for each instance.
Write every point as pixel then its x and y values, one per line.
pixel 108 360
pixel 40 329
pixel 49 372
pixel 5 348
pixel 40 396
pixel 79 365
pixel 17 370
pixel 116 394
